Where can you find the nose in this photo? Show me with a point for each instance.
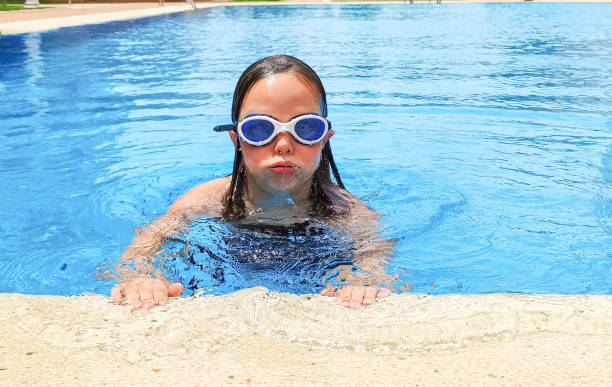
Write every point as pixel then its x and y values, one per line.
pixel 284 144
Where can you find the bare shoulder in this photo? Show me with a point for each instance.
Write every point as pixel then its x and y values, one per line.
pixel 203 199
pixel 361 211
pixel 355 213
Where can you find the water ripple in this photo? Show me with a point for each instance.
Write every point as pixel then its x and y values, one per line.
pixel 480 132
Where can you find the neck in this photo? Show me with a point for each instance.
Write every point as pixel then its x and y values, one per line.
pixel 297 199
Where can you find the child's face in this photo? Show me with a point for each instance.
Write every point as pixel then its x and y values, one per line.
pixel 284 165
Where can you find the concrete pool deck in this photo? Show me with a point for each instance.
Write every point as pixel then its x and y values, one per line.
pixel 62 15
pixel 258 337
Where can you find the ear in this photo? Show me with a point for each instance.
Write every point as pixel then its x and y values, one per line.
pixel 330 134
pixel 234 138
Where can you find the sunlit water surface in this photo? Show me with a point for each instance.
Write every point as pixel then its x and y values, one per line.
pixel 480 132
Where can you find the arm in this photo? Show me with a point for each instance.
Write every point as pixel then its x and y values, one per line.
pixel 371 249
pixel 371 254
pixel 147 244
pixel 141 284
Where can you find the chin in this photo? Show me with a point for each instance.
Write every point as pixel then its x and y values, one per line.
pixel 283 186
pixel 273 183
pixel 285 183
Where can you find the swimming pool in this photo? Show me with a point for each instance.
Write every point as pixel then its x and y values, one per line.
pixel 481 132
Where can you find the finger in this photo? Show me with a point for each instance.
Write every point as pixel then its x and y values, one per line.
pixel 329 292
pixel 357 297
pixel 382 292
pixel 344 296
pixel 132 295
pixel 369 295
pixel 160 292
pixel 146 293
pixel 117 294
pixel 176 289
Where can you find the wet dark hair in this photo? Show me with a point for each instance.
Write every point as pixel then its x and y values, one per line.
pixel 327 198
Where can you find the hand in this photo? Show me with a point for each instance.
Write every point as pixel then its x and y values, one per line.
pixel 145 292
pixel 355 297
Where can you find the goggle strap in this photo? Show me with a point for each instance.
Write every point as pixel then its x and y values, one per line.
pixel 224 128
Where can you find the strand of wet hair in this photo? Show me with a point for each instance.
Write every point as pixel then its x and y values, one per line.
pixel 230 202
pixel 332 164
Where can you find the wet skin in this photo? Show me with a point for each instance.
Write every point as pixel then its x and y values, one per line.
pixel 283 167
pixel 276 172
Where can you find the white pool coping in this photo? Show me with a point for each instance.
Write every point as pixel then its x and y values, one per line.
pixel 257 337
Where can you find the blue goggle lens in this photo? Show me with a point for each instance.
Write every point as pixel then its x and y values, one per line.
pixel 309 129
pixel 257 130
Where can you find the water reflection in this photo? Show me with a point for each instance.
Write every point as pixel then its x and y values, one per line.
pixel 480 131
pixel 219 257
pixel 34 68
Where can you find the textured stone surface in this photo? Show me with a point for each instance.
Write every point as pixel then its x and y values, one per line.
pixel 267 337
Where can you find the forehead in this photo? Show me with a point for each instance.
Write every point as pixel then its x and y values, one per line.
pixel 282 96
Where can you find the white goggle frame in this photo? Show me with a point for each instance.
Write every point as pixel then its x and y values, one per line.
pixel 282 127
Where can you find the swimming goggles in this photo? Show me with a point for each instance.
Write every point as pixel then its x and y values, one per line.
pixel 260 129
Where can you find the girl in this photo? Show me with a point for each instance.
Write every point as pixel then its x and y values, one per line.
pixel 281 171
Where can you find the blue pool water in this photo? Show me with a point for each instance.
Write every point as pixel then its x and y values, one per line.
pixel 481 132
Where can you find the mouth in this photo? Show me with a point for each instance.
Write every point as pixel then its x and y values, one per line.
pixel 283 167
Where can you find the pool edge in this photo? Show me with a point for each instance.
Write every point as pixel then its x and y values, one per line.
pixel 262 337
